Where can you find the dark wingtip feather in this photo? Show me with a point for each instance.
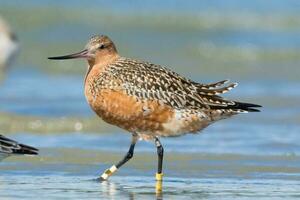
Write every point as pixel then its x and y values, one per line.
pixel 252 110
pixel 26 150
pixel 240 107
pixel 13 147
pixel 250 105
pixel 247 106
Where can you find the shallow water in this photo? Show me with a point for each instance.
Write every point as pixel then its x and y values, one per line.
pixel 250 156
pixel 82 187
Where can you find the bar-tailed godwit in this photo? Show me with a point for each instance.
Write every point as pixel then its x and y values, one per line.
pixel 148 100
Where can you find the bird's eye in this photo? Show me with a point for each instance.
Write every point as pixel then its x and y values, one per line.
pixel 101 46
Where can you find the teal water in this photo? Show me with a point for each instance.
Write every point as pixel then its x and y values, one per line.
pixel 250 156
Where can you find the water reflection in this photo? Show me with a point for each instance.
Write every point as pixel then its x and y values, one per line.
pixel 108 188
pixel 112 190
pixel 63 187
pixel 147 188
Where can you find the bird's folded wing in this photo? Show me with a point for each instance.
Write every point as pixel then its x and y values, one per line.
pixel 153 82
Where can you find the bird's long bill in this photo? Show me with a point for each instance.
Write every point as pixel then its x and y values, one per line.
pixel 81 54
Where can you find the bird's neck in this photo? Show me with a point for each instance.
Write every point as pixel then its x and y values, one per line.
pixel 99 63
pixel 105 59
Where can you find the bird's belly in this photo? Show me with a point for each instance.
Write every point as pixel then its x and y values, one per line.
pixel 147 117
pixel 129 113
pixel 185 121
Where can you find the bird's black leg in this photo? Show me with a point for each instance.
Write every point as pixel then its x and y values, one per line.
pixel 107 173
pixel 127 157
pixel 160 153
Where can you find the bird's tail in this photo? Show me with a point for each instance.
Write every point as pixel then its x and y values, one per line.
pixel 240 107
pixel 9 146
pixel 209 94
pixel 248 107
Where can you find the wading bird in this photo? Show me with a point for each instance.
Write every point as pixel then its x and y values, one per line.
pixel 8 50
pixel 10 147
pixel 148 100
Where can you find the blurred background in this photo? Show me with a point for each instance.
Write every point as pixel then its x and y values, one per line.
pixel 256 43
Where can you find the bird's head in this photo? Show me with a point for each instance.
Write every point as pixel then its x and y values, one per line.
pixel 99 48
pixel 8 45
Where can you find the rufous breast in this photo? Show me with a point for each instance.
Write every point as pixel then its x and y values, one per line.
pixel 116 107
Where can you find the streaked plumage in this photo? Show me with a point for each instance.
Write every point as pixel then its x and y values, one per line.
pixel 149 100
pixel 10 147
pixel 188 102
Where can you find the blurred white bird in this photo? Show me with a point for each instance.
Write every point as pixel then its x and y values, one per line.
pixel 8 45
pixel 8 50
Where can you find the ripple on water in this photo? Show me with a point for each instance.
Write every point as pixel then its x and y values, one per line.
pixel 141 187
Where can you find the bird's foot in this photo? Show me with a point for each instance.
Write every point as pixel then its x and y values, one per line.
pixel 158 187
pixel 107 173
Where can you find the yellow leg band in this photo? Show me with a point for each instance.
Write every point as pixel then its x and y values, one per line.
pixel 107 173
pixel 159 177
pixel 158 187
